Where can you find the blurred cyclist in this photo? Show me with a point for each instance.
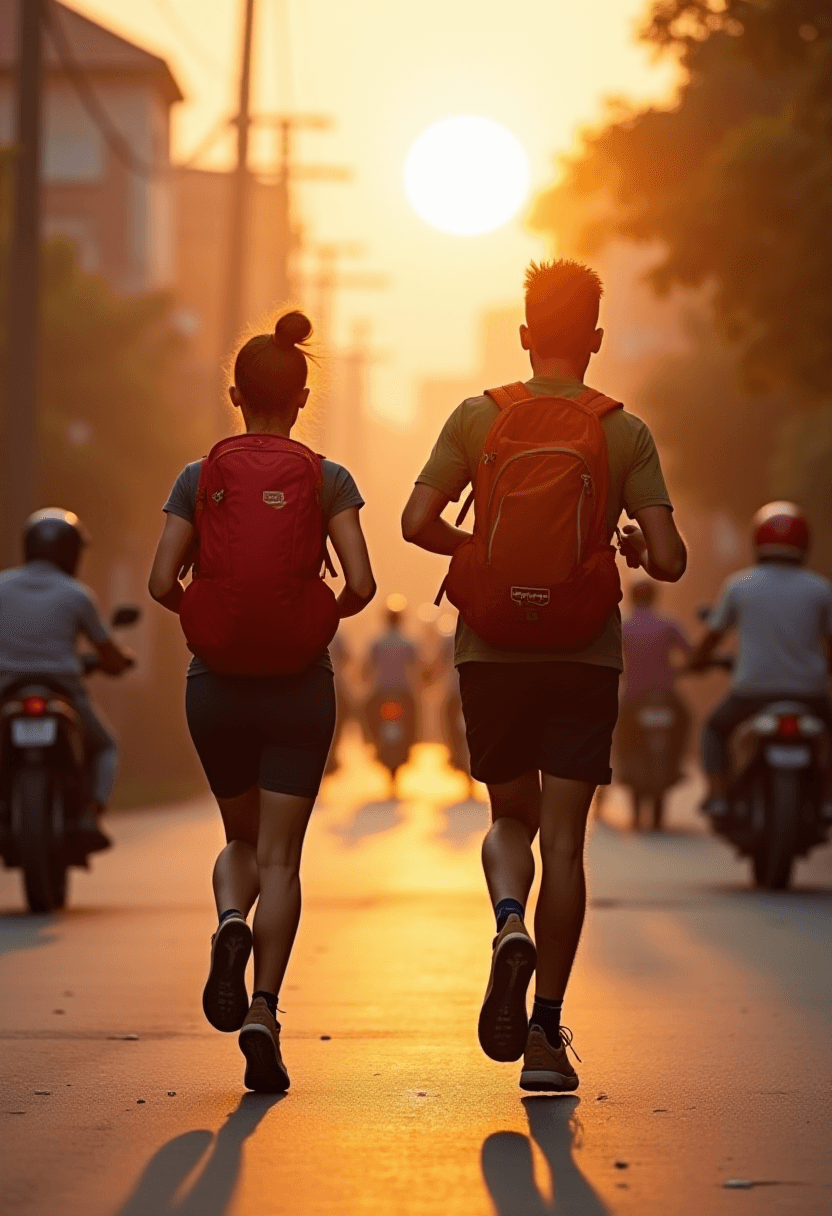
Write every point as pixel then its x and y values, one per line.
pixel 44 610
pixel 783 616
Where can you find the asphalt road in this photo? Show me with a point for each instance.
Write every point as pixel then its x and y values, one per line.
pixel 701 1010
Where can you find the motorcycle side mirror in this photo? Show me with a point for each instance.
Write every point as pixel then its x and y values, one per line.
pixel 704 611
pixel 127 614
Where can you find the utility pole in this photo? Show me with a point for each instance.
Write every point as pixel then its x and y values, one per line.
pixel 240 197
pixel 20 490
pixel 288 172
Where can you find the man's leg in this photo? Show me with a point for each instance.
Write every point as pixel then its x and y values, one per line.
pixel 559 916
pixel 509 870
pixel 715 734
pixel 101 759
pixel 507 857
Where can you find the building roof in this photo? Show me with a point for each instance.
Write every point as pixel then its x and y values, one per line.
pixel 94 48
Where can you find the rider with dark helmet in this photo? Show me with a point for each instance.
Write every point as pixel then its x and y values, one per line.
pixel 783 616
pixel 43 612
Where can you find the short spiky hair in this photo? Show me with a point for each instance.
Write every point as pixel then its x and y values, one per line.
pixel 563 299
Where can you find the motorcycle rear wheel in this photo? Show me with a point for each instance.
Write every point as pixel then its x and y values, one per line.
pixel 774 861
pixel 41 854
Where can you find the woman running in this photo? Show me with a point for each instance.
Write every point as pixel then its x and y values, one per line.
pixel 262 739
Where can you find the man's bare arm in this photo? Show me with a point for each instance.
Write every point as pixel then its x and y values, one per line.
pixel 654 543
pixel 422 522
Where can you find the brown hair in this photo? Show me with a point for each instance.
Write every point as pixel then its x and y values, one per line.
pixel 563 299
pixel 271 369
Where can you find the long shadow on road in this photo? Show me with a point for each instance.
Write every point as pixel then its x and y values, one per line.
pixel 508 1168
pixel 20 931
pixel 216 1157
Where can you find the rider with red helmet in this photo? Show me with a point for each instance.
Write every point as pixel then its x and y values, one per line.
pixel 783 617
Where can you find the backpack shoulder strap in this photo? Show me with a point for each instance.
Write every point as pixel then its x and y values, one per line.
pixel 599 403
pixel 508 394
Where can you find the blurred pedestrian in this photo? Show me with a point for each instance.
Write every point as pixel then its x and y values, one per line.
pixel 648 758
pixel 254 505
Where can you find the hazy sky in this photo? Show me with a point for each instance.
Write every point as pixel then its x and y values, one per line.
pixel 386 69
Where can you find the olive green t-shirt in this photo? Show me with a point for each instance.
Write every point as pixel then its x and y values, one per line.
pixel 636 481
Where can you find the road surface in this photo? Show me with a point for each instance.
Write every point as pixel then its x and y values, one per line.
pixel 701 1010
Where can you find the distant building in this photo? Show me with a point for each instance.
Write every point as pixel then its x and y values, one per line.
pixel 123 223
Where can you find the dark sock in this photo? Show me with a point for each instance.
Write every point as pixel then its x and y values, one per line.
pixel 546 1015
pixel 230 912
pixel 504 909
pixel 270 998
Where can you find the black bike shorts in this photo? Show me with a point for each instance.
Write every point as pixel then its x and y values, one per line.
pixel 556 717
pixel 273 732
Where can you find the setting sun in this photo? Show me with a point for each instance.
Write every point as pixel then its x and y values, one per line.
pixel 466 175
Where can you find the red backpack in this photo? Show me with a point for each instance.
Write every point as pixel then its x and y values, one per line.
pixel 538 572
pixel 257 604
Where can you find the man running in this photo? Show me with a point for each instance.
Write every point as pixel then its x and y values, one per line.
pixel 540 724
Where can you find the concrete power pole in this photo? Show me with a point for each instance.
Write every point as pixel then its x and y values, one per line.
pixel 239 217
pixel 20 489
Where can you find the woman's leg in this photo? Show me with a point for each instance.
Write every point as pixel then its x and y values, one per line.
pixel 283 822
pixel 236 878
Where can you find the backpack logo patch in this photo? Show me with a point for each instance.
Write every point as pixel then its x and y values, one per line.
pixel 531 597
pixel 274 498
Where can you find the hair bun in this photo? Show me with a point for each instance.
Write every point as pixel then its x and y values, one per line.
pixel 292 328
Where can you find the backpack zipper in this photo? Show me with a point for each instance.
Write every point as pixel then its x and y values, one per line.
pixel 586 489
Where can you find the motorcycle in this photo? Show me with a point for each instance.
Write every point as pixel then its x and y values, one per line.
pixel 391 724
pixel 43 780
pixel 778 808
pixel 650 743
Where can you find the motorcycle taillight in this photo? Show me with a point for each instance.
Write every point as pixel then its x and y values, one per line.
pixel 34 706
pixel 788 726
pixel 391 711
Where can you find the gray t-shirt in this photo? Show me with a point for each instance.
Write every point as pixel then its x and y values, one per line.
pixel 783 615
pixel 43 612
pixel 394 659
pixel 338 493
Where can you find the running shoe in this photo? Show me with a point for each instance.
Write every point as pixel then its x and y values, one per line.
pixel 547 1069
pixel 260 1044
pixel 504 1023
pixel 225 1000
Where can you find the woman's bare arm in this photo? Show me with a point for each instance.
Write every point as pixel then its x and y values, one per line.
pixel 351 547
pixel 174 543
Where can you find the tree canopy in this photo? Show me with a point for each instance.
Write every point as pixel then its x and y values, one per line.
pixel 735 179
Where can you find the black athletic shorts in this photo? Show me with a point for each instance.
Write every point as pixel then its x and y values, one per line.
pixel 272 731
pixel 554 717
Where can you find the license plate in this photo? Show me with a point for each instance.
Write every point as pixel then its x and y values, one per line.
pixel 656 719
pixel 781 756
pixel 34 732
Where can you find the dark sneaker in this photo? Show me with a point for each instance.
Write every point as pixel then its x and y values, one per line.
pixel 504 1023
pixel 546 1069
pixel 225 999
pixel 260 1044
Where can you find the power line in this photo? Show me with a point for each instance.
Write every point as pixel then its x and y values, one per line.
pixel 111 135
pixel 191 45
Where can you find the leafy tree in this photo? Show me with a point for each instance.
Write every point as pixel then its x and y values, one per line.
pixel 117 419
pixel 732 184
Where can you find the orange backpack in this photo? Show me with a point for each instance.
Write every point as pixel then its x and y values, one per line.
pixel 538 572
